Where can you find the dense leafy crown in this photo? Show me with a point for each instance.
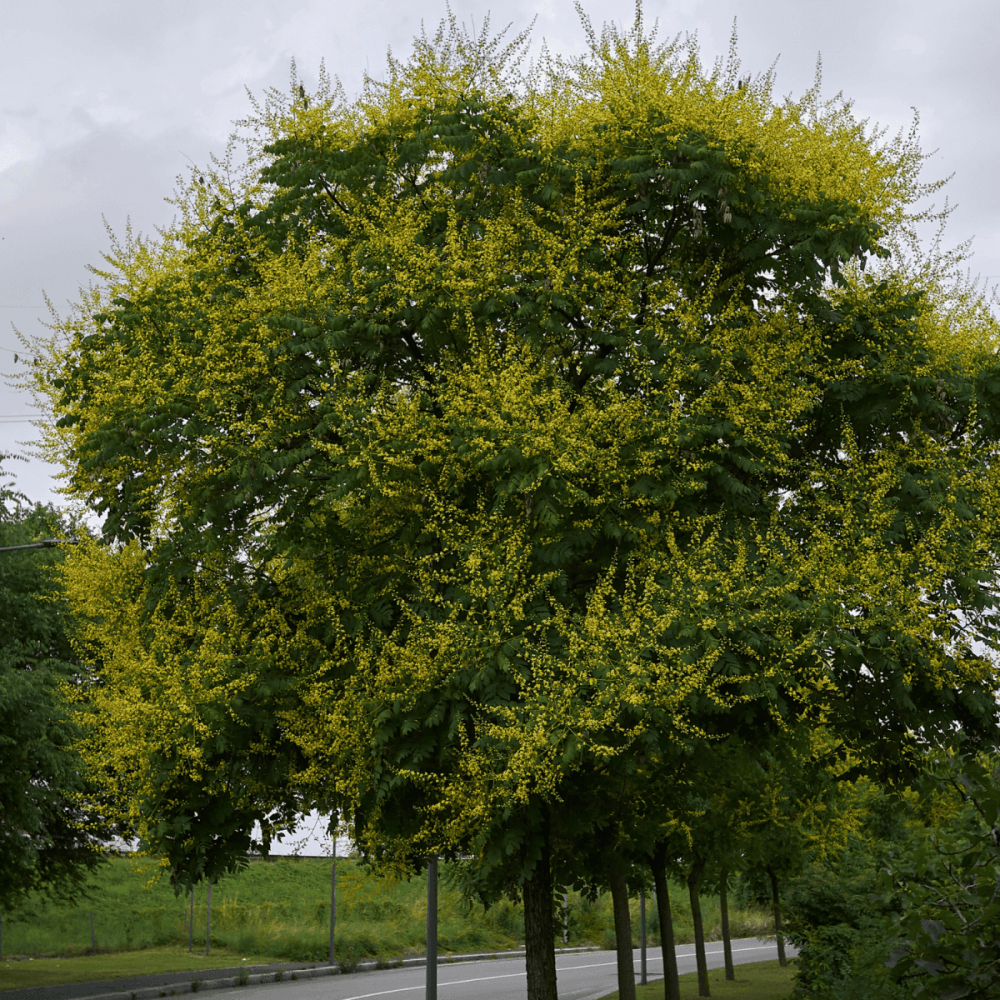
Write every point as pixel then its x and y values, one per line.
pixel 545 414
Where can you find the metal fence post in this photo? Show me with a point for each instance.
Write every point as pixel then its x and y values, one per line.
pixel 208 925
pixel 432 906
pixel 93 942
pixel 642 936
pixel 333 897
pixel 191 922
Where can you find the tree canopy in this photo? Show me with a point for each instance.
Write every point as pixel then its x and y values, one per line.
pixel 496 431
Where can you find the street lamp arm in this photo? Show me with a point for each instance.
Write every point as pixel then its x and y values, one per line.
pixel 48 543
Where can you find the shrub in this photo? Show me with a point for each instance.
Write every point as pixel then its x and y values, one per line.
pixel 840 920
pixel 947 887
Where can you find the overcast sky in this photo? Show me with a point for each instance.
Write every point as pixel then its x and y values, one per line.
pixel 103 104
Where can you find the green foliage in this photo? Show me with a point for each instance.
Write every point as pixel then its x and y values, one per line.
pixel 946 885
pixel 839 920
pixel 752 888
pixel 238 635
pixel 832 905
pixel 49 831
pixel 908 907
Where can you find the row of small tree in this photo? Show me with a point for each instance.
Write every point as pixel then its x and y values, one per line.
pixel 532 467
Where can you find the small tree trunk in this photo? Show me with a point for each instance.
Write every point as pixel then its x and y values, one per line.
pixel 727 941
pixel 699 928
pixel 539 928
pixel 623 928
pixel 782 961
pixel 671 986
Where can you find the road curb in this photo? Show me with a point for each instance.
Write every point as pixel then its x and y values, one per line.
pixel 198 984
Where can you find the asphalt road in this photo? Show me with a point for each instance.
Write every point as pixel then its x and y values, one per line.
pixel 581 977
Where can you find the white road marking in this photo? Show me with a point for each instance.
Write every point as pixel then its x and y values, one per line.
pixel 650 958
pixel 756 947
pixel 456 982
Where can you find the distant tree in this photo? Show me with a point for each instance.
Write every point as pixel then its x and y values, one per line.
pixel 50 825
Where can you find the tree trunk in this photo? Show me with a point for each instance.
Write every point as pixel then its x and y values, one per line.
pixel 539 928
pixel 782 961
pixel 623 928
pixel 671 986
pixel 699 928
pixel 727 941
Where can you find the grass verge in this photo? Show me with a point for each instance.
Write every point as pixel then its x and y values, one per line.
pixel 20 975
pixel 755 981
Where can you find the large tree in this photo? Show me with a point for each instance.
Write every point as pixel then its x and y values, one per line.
pixel 553 423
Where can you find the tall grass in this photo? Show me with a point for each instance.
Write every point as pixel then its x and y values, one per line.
pixel 280 910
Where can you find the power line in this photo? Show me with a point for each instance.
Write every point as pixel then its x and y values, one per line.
pixel 19 354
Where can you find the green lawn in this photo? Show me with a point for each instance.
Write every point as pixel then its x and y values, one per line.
pixel 756 981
